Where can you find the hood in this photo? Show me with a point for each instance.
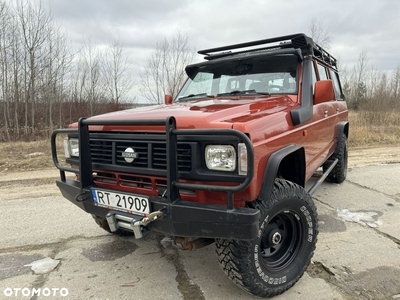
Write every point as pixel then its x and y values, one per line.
pixel 214 113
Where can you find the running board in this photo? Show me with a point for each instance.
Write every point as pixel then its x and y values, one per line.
pixel 312 190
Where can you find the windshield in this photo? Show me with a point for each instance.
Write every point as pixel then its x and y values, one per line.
pixel 242 76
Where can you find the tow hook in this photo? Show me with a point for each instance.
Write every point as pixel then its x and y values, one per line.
pixel 150 218
pixel 132 223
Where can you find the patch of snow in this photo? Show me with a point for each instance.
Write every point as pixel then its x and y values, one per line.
pixel 43 266
pixel 364 218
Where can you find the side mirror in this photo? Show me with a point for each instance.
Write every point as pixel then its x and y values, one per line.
pixel 168 99
pixel 324 91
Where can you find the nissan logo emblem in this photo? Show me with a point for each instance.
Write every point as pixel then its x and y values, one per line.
pixel 129 155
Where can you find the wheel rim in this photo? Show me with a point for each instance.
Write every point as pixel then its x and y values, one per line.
pixel 280 241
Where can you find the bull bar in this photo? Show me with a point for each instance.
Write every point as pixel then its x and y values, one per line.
pixel 181 218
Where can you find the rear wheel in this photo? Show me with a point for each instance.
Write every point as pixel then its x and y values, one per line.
pixel 276 259
pixel 339 172
pixel 104 225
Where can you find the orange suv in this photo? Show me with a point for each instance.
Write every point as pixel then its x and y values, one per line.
pixel 225 162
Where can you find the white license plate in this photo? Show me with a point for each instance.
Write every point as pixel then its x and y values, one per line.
pixel 130 203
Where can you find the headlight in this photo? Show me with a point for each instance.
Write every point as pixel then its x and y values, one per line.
pixel 71 147
pixel 220 157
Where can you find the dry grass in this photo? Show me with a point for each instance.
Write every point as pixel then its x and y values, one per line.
pixel 367 128
pixel 27 156
pixel 374 128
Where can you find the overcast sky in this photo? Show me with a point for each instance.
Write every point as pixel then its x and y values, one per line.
pixel 353 25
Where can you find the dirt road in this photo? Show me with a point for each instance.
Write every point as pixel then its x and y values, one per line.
pixel 373 155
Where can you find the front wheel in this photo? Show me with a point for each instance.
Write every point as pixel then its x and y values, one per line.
pixel 339 172
pixel 276 259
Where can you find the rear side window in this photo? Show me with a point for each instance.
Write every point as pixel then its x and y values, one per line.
pixel 322 72
pixel 314 78
pixel 336 84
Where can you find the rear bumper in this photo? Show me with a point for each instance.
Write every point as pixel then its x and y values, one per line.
pixel 180 218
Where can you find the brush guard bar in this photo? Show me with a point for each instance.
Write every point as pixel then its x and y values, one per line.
pixel 181 218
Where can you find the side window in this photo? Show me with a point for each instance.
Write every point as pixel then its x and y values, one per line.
pixel 314 79
pixel 322 72
pixel 336 84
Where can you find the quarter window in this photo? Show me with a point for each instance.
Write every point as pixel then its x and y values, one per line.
pixel 314 78
pixel 322 72
pixel 336 84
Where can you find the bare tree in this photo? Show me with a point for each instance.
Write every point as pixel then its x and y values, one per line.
pixel 57 63
pixel 39 75
pixel 395 85
pixel 34 22
pixel 94 89
pixel 319 33
pixel 4 45
pixel 17 58
pixel 164 71
pixel 76 82
pixel 115 69
pixel 360 80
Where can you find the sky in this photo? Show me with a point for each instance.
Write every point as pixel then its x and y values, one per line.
pixel 353 25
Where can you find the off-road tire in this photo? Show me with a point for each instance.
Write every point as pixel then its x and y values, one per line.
pixel 339 172
pixel 104 225
pixel 264 270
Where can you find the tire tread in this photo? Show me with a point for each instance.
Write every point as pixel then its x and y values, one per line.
pixel 234 255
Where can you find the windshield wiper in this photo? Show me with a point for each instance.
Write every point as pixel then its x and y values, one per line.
pixel 192 96
pixel 245 92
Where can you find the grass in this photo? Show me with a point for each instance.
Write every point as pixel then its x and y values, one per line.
pixel 367 128
pixel 27 156
pixel 374 128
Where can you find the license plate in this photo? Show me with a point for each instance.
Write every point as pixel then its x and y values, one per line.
pixel 130 203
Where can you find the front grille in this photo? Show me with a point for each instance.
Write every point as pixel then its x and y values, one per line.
pixel 104 177
pixel 149 154
pixel 184 157
pixel 101 151
pixel 135 181
pixel 142 149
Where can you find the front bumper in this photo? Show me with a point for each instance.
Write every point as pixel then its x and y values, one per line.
pixel 180 218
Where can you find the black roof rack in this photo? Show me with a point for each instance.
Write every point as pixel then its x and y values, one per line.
pixel 294 41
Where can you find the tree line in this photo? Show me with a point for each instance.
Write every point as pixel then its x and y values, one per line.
pixel 364 86
pixel 367 88
pixel 45 84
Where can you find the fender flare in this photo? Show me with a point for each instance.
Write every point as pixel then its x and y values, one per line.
pixel 273 164
pixel 343 129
